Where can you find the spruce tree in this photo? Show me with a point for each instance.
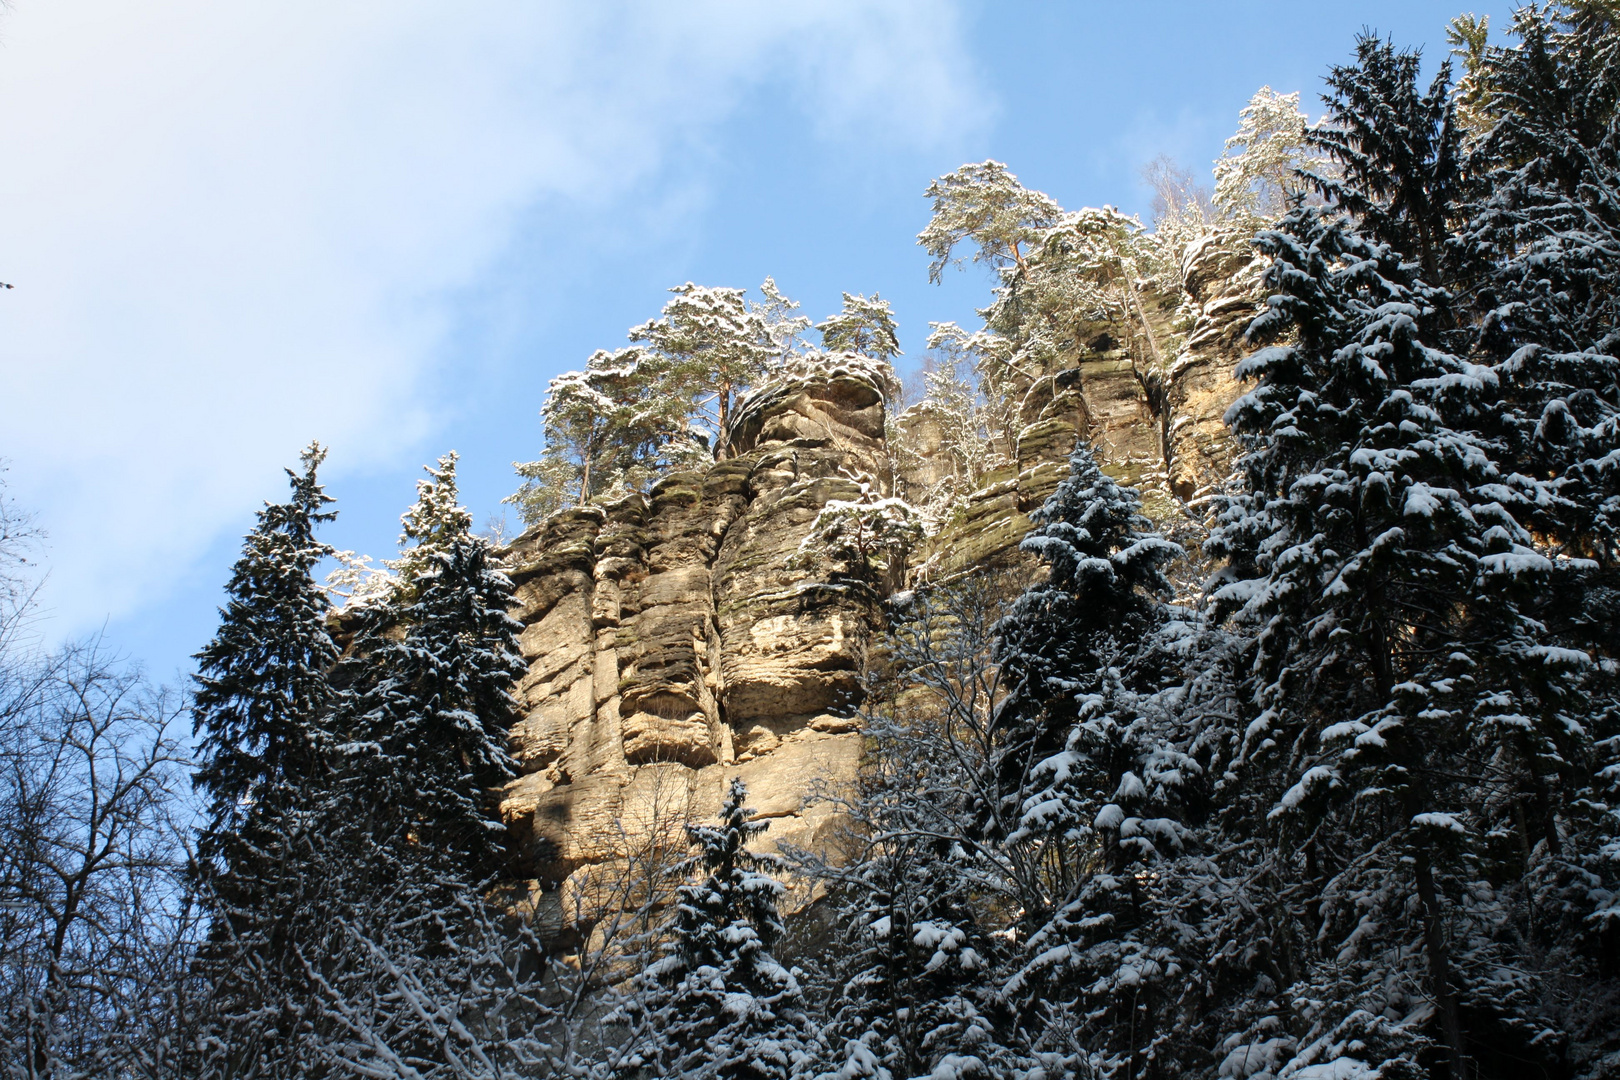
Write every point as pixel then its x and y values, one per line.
pixel 1381 559
pixel 369 940
pixel 1093 780
pixel 1396 148
pixel 262 706
pixel 1542 217
pixel 1065 638
pixel 432 523
pixel 1546 231
pixel 264 714
pixel 1544 226
pixel 433 723
pixel 717 1003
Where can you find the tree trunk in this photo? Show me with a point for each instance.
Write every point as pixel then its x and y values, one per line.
pixel 1141 315
pixel 1439 967
pixel 722 437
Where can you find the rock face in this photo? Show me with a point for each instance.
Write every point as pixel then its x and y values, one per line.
pixel 1159 429
pixel 1222 279
pixel 671 647
pixel 681 638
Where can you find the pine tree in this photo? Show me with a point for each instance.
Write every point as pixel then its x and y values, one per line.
pixel 664 403
pixel 612 426
pixel 263 700
pixel 717 1004
pixel 865 326
pixel 714 344
pixel 985 204
pixel 783 329
pixel 1257 173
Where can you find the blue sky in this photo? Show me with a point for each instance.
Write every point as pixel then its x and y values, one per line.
pixel 386 225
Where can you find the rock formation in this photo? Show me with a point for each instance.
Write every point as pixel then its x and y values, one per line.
pixel 671 645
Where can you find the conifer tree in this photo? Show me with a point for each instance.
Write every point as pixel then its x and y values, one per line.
pixel 263 700
pixel 1258 171
pixel 783 329
pixel 433 724
pixel 717 1004
pixel 264 711
pixel 714 344
pixel 1546 232
pixel 865 326
pixel 984 203
pixel 1391 576
pixel 1396 151
pixel 611 426
pixel 1092 781
pixel 367 941
pixel 1542 217
pixel 432 523
pixel 1103 594
pixel 664 403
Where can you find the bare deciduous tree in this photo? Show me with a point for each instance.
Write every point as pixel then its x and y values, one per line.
pixel 94 921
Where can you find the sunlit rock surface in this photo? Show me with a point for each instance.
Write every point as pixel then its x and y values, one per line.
pixel 671 646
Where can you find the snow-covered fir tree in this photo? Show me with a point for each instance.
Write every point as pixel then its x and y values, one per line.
pixel 264 711
pixel 260 710
pixel 372 942
pixel 1093 780
pixel 430 729
pixel 1353 812
pixel 717 1003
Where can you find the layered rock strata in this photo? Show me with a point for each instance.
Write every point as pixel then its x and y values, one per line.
pixel 682 637
pixel 671 646
pixel 1221 278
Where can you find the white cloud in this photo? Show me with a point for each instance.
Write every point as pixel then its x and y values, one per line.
pixel 211 210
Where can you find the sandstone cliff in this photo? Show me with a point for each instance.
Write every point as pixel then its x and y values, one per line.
pixel 671 646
